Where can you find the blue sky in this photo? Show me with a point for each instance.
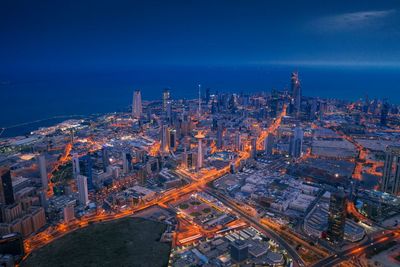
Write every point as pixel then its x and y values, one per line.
pixel 70 35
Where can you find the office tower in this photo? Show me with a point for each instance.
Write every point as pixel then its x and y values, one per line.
pixel 200 156
pixel 76 170
pixel 164 139
pixel 86 168
pixel 391 174
pixel 6 189
pixel 126 162
pixel 172 139
pixel 238 141
pixel 384 113
pixel 337 216
pixel 296 143
pixel 269 144
pixel 82 190
pixel 296 93
pixel 69 213
pixel 253 145
pixel 137 104
pixel 43 172
pixel 239 250
pixel 104 158
pixel 165 98
pixel 220 136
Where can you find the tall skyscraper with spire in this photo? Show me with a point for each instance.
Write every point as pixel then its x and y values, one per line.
pixel 137 104
pixel 296 93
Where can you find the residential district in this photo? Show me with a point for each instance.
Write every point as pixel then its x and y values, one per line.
pixel 263 179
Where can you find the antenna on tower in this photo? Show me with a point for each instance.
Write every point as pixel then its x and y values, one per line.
pixel 199 100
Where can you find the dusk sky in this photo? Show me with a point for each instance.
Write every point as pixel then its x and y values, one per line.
pixel 119 34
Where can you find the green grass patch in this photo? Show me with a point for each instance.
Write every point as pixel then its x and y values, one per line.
pixel 126 242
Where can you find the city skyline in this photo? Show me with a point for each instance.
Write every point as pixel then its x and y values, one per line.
pixel 200 133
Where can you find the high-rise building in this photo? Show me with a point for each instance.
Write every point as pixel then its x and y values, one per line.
pixel 126 162
pixel 337 216
pixel 83 196
pixel 76 170
pixel 296 143
pixel 164 139
pixel 137 104
pixel 238 141
pixel 43 171
pixel 269 143
pixel 200 156
pixel 86 168
pixel 172 139
pixel 104 158
pixel 165 98
pixel 296 93
pixel 6 189
pixel 391 174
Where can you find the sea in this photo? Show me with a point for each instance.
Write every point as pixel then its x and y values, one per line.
pixel 30 100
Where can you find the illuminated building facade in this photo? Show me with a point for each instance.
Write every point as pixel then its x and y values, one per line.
pixel 137 104
pixel 391 174
pixel 337 217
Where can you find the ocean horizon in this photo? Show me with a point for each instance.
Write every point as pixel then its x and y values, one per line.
pixel 32 96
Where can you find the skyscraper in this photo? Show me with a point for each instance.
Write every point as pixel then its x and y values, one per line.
pixel 6 189
pixel 172 139
pixel 165 98
pixel 200 155
pixel 126 162
pixel 43 171
pixel 296 93
pixel 296 143
pixel 269 143
pixel 337 216
pixel 137 104
pixel 86 168
pixel 82 190
pixel 104 158
pixel 391 179
pixel 164 138
pixel 76 170
pixel 238 141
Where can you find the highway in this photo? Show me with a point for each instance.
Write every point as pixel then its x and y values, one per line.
pixel 257 224
pixel 358 250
